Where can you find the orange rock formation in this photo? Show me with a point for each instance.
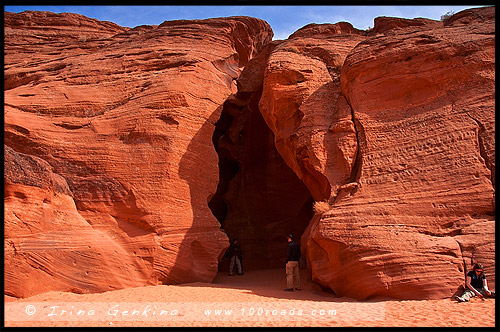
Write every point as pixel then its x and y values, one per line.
pixel 132 155
pixel 109 157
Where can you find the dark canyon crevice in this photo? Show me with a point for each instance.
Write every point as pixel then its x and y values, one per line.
pixel 259 199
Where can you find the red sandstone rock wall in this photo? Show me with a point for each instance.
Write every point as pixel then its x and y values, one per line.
pixel 109 159
pixel 304 107
pixel 422 209
pixel 110 166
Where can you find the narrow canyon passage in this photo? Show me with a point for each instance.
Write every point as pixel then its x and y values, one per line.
pixel 259 199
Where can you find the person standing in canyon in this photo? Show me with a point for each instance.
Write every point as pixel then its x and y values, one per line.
pixel 292 265
pixel 236 255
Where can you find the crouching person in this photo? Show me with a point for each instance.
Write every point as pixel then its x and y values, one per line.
pixel 476 285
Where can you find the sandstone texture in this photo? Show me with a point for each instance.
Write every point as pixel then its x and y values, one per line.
pixel 109 161
pixel 422 201
pixel 304 107
pixel 132 155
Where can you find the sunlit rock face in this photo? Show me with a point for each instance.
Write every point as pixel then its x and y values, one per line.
pixel 420 209
pixel 109 161
pixel 132 155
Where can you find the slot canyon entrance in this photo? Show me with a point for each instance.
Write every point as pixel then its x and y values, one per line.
pixel 259 199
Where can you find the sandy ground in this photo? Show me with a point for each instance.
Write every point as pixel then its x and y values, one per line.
pixel 254 299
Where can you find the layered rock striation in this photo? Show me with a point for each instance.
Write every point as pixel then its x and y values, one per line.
pixel 422 205
pixel 108 143
pixel 131 155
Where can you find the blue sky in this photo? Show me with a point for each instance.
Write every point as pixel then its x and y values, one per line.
pixel 284 20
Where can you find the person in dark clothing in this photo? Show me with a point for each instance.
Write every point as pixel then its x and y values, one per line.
pixel 235 254
pixel 292 265
pixel 476 284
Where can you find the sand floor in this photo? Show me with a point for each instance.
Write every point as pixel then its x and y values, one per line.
pixel 254 299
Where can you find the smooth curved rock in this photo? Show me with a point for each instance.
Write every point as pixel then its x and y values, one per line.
pixel 125 119
pixel 423 103
pixel 111 175
pixel 302 104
